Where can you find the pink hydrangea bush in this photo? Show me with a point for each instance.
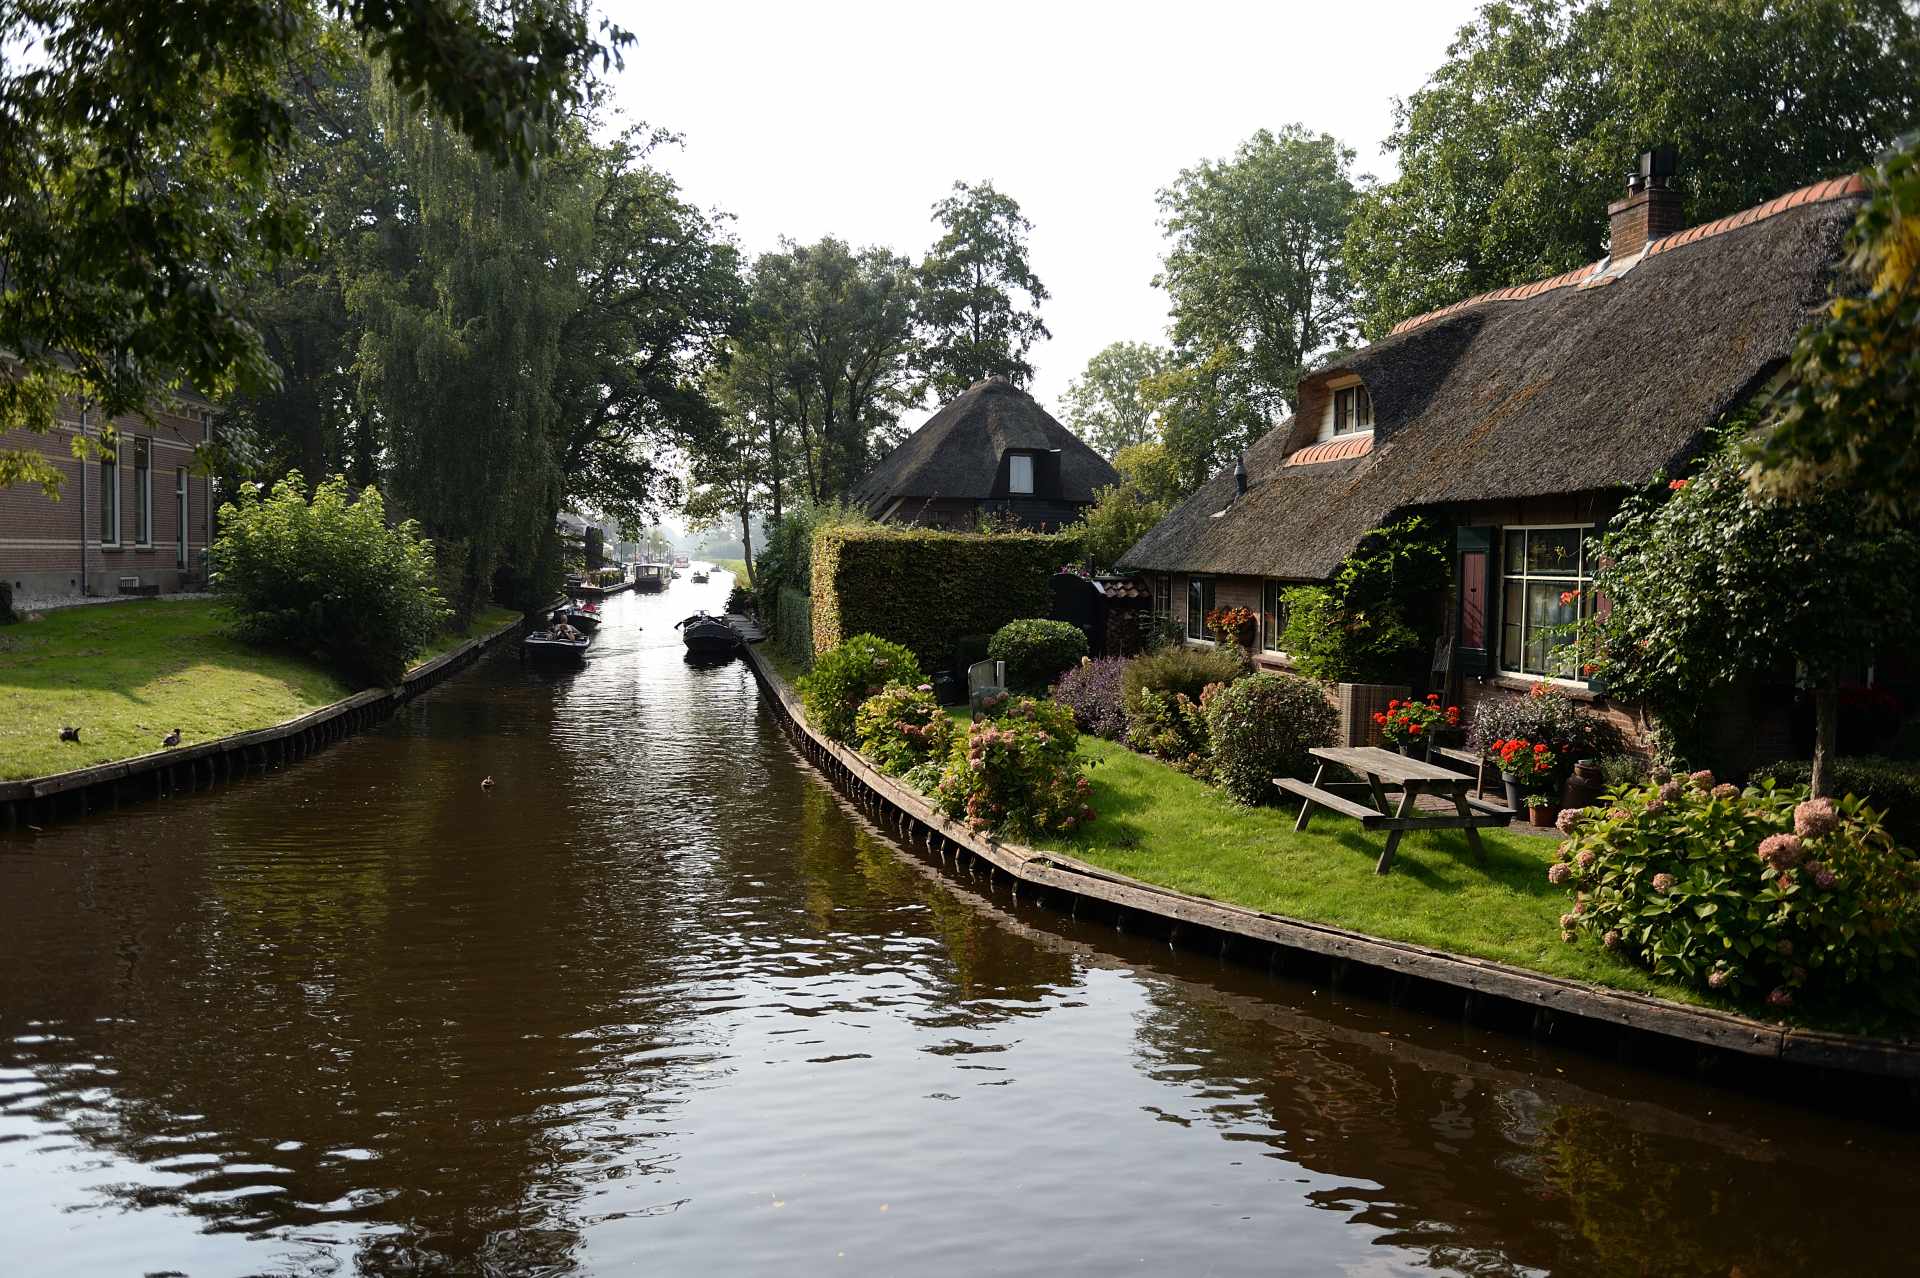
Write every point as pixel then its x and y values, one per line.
pixel 1762 894
pixel 900 728
pixel 846 674
pixel 1018 773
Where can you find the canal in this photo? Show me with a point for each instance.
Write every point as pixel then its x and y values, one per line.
pixel 661 1002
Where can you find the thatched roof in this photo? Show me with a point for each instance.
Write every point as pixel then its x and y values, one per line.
pixel 958 453
pixel 1594 380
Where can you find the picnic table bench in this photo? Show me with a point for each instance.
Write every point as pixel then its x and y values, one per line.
pixel 1385 771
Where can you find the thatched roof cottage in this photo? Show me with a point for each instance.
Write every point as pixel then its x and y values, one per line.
pixel 992 450
pixel 1520 418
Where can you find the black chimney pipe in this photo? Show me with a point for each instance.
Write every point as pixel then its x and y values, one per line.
pixel 1240 476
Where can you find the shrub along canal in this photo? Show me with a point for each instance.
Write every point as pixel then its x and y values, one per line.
pixel 662 1002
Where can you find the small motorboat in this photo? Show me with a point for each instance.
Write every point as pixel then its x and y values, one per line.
pixel 584 616
pixel 560 644
pixel 709 636
pixel 699 576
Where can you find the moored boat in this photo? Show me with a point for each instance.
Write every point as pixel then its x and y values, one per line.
pixel 651 576
pixel 709 636
pixel 585 616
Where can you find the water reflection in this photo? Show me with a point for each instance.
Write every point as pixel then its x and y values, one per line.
pixel 662 1001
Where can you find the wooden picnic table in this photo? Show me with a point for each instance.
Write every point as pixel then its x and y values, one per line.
pixel 1386 771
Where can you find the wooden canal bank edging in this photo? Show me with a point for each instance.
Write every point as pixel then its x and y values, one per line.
pixel 39 801
pixel 1489 994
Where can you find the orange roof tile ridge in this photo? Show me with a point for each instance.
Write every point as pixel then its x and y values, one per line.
pixel 1817 193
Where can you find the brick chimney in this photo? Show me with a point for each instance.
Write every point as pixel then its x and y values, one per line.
pixel 1652 206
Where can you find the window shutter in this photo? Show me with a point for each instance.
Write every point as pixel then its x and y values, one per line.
pixel 1474 619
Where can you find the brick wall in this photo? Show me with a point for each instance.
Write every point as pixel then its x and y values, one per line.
pixel 41 539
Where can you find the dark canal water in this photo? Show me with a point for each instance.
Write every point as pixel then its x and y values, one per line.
pixel 662 1003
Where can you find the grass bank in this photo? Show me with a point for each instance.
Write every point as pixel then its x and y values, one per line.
pixel 127 673
pixel 1164 827
pixel 737 567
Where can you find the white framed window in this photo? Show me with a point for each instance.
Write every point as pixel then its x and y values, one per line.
pixel 1546 578
pixel 206 425
pixel 1348 411
pixel 1163 597
pixel 142 490
pixel 1020 473
pixel 109 493
pixel 1199 604
pixel 180 517
pixel 1273 615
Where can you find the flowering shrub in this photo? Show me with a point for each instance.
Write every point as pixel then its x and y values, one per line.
pixel 1173 726
pixel 1544 714
pixel 1531 763
pixel 1017 773
pixel 1037 651
pixel 847 674
pixel 1093 691
pixel 1261 727
pixel 1411 723
pixel 900 728
pixel 1760 893
pixel 1231 625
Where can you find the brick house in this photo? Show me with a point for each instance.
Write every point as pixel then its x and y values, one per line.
pixel 140 519
pixel 1519 419
pixel 991 451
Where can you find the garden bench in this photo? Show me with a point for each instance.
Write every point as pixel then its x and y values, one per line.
pixel 985 679
pixel 1386 771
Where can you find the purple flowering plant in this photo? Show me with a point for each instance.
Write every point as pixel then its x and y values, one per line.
pixel 1095 691
pixel 1762 895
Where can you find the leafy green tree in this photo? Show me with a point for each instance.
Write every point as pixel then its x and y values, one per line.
pixel 1848 419
pixel 140 153
pixel 1123 513
pixel 1208 410
pixel 973 324
pixel 1375 621
pixel 1253 269
pixel 1707 583
pixel 840 326
pixel 1512 150
pixel 1105 405
pixel 659 288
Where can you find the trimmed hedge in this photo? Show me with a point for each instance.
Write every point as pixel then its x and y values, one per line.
pixel 793 626
pixel 1889 785
pixel 925 589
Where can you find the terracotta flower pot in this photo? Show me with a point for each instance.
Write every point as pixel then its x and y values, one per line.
pixel 1543 815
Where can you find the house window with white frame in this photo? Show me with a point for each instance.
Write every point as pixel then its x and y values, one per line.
pixel 180 517
pixel 1020 474
pixel 1349 410
pixel 1546 587
pixel 1199 604
pixel 1163 597
pixel 1273 615
pixel 109 494
pixel 142 490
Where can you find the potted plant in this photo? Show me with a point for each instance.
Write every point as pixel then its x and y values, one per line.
pixel 1410 725
pixel 1232 625
pixel 1531 771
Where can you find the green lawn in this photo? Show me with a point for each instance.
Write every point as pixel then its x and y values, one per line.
pixel 1166 828
pixel 737 567
pixel 126 673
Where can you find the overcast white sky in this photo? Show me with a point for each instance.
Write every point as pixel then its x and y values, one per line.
pixel 853 118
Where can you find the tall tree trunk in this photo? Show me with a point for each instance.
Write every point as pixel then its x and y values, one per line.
pixel 746 541
pixel 1826 730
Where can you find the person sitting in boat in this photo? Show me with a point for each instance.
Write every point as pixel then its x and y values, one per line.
pixel 561 630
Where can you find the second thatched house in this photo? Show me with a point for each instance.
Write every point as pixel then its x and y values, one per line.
pixel 991 451
pixel 1519 418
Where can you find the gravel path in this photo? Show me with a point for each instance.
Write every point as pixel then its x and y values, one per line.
pixel 25 603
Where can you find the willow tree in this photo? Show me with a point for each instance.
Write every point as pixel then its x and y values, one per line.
pixel 462 313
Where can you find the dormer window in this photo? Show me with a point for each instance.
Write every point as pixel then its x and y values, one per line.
pixel 1350 412
pixel 1020 474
